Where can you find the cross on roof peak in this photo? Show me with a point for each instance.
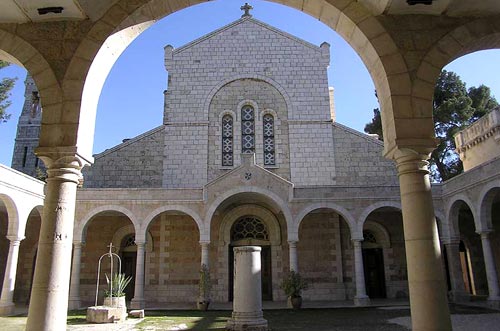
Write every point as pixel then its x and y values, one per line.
pixel 247 9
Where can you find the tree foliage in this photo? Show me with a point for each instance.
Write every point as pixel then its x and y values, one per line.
pixel 454 108
pixel 6 85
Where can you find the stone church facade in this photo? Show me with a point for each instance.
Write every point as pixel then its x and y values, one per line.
pixel 249 153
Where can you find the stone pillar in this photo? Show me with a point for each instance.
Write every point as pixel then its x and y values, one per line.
pixel 361 299
pixel 426 282
pixel 9 279
pixel 138 301
pixel 491 270
pixel 204 253
pixel 457 293
pixel 294 261
pixel 247 304
pixel 74 286
pixel 49 294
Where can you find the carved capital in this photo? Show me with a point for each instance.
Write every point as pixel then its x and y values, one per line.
pixel 411 160
pixel 63 163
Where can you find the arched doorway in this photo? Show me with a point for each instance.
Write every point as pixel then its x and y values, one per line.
pixel 128 254
pixel 251 231
pixel 373 262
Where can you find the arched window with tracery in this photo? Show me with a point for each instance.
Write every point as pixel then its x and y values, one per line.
pixel 269 147
pixel 227 140
pixel 249 227
pixel 247 129
pixel 369 237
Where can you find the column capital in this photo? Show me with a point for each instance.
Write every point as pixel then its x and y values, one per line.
pixel 204 242
pixel 292 243
pixel 63 163
pixel 412 148
pixel 140 244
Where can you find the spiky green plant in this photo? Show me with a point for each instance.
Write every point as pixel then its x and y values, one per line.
pixel 118 285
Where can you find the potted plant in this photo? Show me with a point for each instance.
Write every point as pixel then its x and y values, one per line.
pixel 293 284
pixel 115 295
pixel 205 285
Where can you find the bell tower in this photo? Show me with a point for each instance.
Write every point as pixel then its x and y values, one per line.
pixel 28 132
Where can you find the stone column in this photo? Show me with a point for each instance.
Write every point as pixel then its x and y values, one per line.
pixel 458 293
pixel 138 301
pixel 426 282
pixel 74 286
pixel 49 294
pixel 294 261
pixel 204 253
pixel 247 304
pixel 361 299
pixel 9 279
pixel 491 270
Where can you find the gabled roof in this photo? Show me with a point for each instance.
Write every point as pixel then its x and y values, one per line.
pixel 247 19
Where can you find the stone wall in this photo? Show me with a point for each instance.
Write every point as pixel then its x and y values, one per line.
pixel 137 162
pixel 359 160
pixel 172 267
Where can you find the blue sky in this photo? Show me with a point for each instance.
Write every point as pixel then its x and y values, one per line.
pixel 132 98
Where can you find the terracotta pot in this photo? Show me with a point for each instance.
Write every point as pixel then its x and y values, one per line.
pixel 202 305
pixel 296 302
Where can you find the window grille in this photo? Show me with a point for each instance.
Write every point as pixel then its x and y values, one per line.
pixel 227 140
pixel 249 228
pixel 247 130
pixel 369 237
pixel 269 150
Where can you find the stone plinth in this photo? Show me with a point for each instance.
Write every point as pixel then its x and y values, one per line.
pixel 102 314
pixel 247 303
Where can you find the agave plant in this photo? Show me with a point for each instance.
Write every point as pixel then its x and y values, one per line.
pixel 117 285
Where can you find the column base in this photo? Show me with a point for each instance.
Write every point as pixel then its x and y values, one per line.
pixel 137 303
pixel 361 301
pixel 235 324
pixel 7 309
pixel 74 304
pixel 494 302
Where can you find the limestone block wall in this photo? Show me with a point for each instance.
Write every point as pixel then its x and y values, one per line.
pixel 359 160
pixel 172 267
pixel 320 256
pixel 136 163
pixel 266 99
pixel 246 48
pixel 27 255
pixel 312 156
pixel 185 162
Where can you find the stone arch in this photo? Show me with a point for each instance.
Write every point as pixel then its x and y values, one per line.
pixel 370 209
pixel 221 84
pixel 191 213
pixel 381 233
pixel 273 198
pixel 81 227
pixel 13 226
pixel 452 209
pixel 268 218
pixel 128 229
pixel 485 202
pixel 346 215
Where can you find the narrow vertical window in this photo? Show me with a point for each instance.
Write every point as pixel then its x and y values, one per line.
pixel 25 154
pixel 269 150
pixel 247 130
pixel 227 140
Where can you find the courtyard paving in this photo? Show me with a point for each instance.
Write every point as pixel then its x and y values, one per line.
pixel 381 318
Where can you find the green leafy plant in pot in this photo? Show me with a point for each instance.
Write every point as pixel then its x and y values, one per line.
pixel 114 296
pixel 205 286
pixel 293 284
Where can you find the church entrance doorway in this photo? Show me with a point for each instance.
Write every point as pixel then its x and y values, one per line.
pixel 250 231
pixel 373 260
pixel 129 260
